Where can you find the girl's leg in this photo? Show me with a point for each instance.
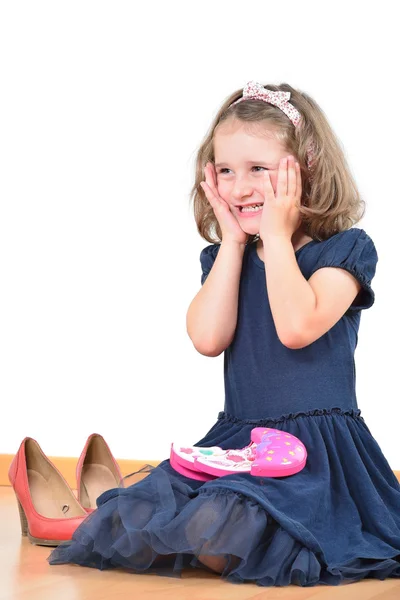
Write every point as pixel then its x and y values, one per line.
pixel 203 518
pixel 216 563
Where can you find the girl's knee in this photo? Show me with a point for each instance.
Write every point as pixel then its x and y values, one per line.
pixel 219 563
pixel 216 563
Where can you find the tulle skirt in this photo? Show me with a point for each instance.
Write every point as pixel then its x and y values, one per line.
pixel 336 521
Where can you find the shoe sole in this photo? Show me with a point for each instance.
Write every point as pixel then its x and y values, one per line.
pixel 31 538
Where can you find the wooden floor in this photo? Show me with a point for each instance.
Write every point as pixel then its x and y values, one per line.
pixel 26 575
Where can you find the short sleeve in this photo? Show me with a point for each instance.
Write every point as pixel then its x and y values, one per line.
pixel 207 258
pixel 354 251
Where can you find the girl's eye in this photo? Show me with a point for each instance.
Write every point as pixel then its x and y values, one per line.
pixel 255 167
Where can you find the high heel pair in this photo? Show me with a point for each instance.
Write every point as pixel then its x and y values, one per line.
pixel 49 511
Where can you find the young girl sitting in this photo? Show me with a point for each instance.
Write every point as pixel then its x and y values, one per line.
pixel 284 280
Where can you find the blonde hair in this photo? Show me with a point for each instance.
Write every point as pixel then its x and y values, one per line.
pixel 330 200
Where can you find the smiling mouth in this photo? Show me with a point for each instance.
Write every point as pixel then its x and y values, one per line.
pixel 254 208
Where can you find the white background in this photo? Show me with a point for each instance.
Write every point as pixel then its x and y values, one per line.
pixel 103 106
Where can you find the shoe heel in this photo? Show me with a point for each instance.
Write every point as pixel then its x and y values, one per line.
pixel 23 519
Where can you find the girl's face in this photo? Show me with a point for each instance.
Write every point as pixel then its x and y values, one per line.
pixel 241 157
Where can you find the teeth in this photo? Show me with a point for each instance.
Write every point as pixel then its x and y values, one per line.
pixel 253 208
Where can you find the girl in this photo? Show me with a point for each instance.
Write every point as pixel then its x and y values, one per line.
pixel 282 293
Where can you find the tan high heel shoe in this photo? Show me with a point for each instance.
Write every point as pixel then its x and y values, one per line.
pixel 49 511
pixel 96 471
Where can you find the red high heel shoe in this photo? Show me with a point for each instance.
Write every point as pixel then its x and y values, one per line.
pixel 96 471
pixel 49 511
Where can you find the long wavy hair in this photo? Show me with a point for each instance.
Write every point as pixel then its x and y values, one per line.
pixel 330 200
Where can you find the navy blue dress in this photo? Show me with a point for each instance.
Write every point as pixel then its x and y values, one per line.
pixel 336 521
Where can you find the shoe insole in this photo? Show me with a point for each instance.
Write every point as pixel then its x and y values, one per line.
pixel 96 479
pixel 49 497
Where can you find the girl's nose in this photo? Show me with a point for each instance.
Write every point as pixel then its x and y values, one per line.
pixel 242 188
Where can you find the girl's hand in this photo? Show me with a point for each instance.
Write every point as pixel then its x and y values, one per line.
pixel 229 225
pixel 280 214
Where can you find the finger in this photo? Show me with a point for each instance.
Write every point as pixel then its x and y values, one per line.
pixel 298 180
pixel 282 178
pixel 268 189
pixel 292 177
pixel 211 179
pixel 207 186
pixel 213 200
pixel 206 189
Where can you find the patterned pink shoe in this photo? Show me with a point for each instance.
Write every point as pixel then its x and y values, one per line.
pixel 277 454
